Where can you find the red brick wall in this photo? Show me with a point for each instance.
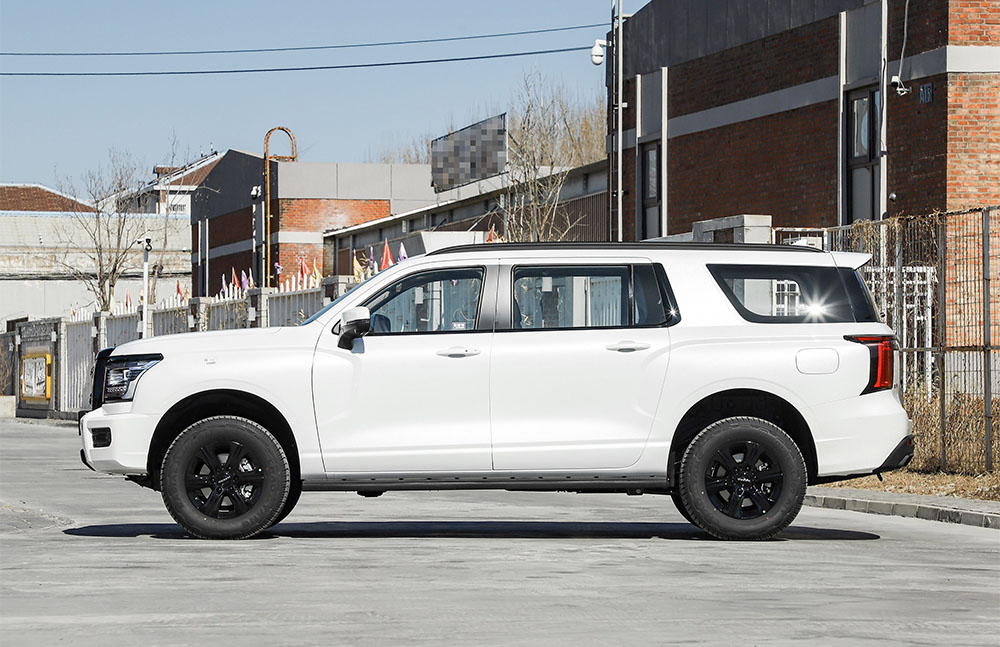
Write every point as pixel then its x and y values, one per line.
pixel 972 22
pixel 973 102
pixel 322 214
pixel 782 165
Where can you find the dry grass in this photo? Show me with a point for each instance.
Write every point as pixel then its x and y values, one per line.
pixel 984 486
pixel 965 447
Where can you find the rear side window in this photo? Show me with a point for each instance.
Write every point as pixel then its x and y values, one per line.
pixel 861 298
pixel 785 294
pixel 608 296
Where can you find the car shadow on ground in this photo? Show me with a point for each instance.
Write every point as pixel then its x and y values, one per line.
pixel 470 529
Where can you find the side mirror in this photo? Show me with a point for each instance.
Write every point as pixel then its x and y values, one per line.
pixel 354 323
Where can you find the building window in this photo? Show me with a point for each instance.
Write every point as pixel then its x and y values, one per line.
pixel 863 179
pixel 649 224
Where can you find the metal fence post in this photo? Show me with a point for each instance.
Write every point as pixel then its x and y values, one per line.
pixel 942 237
pixel 987 345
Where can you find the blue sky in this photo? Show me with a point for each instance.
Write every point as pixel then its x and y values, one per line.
pixel 63 126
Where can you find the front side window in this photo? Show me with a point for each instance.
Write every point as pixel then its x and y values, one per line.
pixel 610 296
pixel 436 301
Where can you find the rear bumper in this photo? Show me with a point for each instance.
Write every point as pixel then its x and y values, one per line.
pixel 900 457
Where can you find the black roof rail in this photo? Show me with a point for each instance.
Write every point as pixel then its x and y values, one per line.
pixel 745 247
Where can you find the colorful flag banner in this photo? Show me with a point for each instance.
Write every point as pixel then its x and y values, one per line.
pixel 386 257
pixel 402 253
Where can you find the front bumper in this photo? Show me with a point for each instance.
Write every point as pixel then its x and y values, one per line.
pixel 130 436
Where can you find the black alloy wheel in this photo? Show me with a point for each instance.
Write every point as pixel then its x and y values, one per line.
pixel 742 478
pixel 225 478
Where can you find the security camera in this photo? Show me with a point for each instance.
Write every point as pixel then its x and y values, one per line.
pixel 897 85
pixel 597 52
pixel 255 192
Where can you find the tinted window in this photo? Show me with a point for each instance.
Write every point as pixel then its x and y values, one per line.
pixel 783 294
pixel 861 298
pixel 571 297
pixel 435 301
pixel 650 309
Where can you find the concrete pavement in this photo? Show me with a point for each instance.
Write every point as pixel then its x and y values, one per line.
pixel 90 559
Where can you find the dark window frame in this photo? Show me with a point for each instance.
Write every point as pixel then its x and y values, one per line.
pixel 672 314
pixel 481 324
pixel 872 160
pixel 649 199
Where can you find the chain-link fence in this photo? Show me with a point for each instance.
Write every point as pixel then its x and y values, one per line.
pixel 936 281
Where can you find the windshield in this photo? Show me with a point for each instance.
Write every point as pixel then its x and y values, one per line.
pixel 333 303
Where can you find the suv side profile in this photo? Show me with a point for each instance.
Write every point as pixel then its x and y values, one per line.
pixel 725 376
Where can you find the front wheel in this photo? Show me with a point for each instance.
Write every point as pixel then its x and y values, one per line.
pixel 742 478
pixel 225 478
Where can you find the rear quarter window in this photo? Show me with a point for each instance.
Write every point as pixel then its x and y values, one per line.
pixel 784 293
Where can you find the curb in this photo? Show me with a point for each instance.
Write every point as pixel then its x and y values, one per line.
pixel 905 509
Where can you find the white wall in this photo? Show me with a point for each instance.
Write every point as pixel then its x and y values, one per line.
pixel 39 299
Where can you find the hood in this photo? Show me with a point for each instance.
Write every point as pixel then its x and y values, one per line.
pixel 223 341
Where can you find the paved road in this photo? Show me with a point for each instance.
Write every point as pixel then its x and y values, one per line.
pixel 89 559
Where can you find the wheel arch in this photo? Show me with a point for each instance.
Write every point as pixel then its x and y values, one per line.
pixel 755 403
pixel 218 402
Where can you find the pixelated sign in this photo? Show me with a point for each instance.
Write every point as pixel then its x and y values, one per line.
pixel 36 382
pixel 473 153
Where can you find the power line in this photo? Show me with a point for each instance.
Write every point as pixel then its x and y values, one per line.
pixel 311 47
pixel 309 68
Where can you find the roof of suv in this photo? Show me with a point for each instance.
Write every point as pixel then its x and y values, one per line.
pixel 741 247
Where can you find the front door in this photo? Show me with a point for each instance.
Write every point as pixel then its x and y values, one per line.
pixel 413 394
pixel 578 368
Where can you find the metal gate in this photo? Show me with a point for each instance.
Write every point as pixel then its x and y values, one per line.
pixel 78 361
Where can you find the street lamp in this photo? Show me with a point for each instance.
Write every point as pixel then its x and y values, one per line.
pixel 147 245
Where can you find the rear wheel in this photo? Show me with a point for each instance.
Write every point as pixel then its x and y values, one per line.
pixel 225 478
pixel 742 478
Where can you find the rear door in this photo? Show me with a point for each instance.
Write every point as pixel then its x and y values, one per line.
pixel 579 360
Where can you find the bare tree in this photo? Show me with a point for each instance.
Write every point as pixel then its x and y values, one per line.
pixel 167 199
pixel 103 228
pixel 549 134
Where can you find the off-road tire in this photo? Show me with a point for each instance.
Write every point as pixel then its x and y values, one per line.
pixel 225 477
pixel 294 492
pixel 756 497
pixel 675 496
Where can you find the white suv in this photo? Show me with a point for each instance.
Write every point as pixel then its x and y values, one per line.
pixel 727 376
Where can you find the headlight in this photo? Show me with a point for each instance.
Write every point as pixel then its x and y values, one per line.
pixel 122 374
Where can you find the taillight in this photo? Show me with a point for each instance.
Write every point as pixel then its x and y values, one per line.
pixel 881 349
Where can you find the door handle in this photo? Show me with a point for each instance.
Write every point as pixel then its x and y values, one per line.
pixel 627 346
pixel 458 351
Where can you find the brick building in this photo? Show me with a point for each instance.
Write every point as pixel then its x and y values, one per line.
pixel 777 107
pixel 227 228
